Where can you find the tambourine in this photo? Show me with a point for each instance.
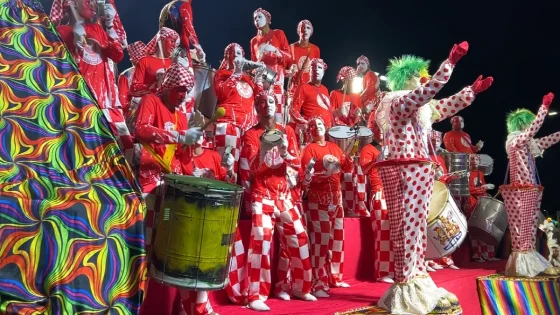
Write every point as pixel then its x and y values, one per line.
pixel 272 137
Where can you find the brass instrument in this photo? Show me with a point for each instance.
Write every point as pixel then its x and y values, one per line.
pixel 253 69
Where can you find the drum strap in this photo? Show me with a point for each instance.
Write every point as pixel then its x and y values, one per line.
pixel 164 166
pixel 169 153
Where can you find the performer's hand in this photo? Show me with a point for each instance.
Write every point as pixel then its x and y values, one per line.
pixel 481 85
pixel 488 186
pixel 547 99
pixel 110 14
pixel 238 64
pixel 184 62
pixel 113 34
pixel 79 31
pixel 283 148
pixel 230 160
pixel 200 53
pixel 479 144
pixel 457 52
pixel 190 136
pixel 309 175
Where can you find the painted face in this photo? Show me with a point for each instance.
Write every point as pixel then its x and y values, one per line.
pixel 413 83
pixel 362 67
pixel 458 124
pixel 168 45
pixel 317 128
pixel 319 72
pixel 260 20
pixel 177 95
pixel 305 31
pixel 237 53
pixel 85 9
pixel 268 108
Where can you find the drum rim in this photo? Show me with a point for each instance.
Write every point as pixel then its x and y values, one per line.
pixel 494 199
pixel 170 179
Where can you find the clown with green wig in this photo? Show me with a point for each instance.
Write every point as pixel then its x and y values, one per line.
pixel 405 116
pixel 522 196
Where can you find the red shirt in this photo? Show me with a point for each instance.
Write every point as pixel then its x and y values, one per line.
pixel 311 100
pixel 299 55
pixel 236 95
pixel 278 39
pixel 269 177
pixel 207 165
pixel 458 141
pixel 351 105
pixel 368 155
pixel 330 161
pixel 145 74
pixel 370 85
pixel 125 78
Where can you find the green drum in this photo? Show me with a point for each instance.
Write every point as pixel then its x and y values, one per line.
pixel 195 230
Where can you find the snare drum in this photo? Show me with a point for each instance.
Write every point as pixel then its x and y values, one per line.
pixel 447 226
pixel 485 164
pixel 345 137
pixel 195 231
pixel 272 137
pixel 488 221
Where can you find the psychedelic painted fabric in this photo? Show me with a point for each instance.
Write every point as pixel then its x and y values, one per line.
pixel 71 215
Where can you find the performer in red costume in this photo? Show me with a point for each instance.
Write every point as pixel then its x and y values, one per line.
pixel 522 197
pixel 370 84
pixel 346 105
pixel 271 47
pixel 311 99
pixel 457 140
pixel 94 50
pixel 408 175
pixel 177 15
pixel 302 53
pixel 135 51
pixel 273 207
pixel 384 258
pixel 150 69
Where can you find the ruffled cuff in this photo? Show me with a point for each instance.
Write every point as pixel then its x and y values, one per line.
pixel 526 264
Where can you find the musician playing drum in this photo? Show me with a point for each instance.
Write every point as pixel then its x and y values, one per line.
pixel 270 149
pixel 271 47
pixel 346 105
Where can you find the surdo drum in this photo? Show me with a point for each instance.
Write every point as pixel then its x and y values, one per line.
pixel 458 162
pixel 488 221
pixel 195 228
pixel 345 137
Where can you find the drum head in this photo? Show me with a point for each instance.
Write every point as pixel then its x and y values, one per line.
pixel 200 184
pixel 438 201
pixel 485 160
pixel 341 132
pixel 364 132
pixel 272 136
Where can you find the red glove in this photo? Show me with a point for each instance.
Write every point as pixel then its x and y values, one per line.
pixel 547 99
pixel 481 85
pixel 457 52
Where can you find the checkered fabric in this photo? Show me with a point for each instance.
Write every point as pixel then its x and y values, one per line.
pixel 284 216
pixel 153 204
pixel 384 259
pixel 237 286
pixel 354 193
pixel 479 248
pixel 196 302
pixel 118 126
pixel 346 73
pixel 363 58
pixel 302 23
pixel 265 13
pixel 279 94
pixel 177 76
pixel 136 51
pixel 326 239
pixel 227 134
pixel 445 261
pixel 229 55
pixel 522 206
pixel 408 190
pixel 163 33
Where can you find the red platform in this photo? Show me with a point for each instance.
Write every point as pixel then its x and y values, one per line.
pixel 358 272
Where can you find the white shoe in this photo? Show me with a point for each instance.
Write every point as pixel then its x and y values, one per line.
pixel 437 266
pixel 342 285
pixel 453 267
pixel 259 305
pixel 387 279
pixel 283 295
pixel 304 296
pixel 321 294
pixel 430 269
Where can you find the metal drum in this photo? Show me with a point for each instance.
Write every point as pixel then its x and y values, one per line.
pixel 195 231
pixel 345 137
pixel 458 162
pixel 447 226
pixel 485 164
pixel 488 221
pixel 203 91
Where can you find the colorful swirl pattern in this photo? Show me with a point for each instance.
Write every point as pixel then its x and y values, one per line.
pixel 71 213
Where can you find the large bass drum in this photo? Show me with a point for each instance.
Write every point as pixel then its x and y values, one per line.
pixel 195 230
pixel 345 137
pixel 488 221
pixel 447 226
pixel 458 162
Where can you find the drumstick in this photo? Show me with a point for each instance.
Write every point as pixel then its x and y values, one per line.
pixel 220 112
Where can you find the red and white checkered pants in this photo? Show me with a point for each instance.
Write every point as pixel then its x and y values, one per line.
pixel 284 216
pixel 522 206
pixel 227 134
pixel 326 238
pixel 196 302
pixel 354 193
pixel 237 286
pixel 445 261
pixel 384 263
pixel 408 189
pixel 118 126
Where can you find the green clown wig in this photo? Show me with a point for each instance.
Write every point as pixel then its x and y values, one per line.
pixel 519 120
pixel 401 70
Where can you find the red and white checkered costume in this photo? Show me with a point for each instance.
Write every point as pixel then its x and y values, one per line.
pixel 480 249
pixel 324 212
pixel 346 106
pixel 135 51
pixel 408 178
pixel 384 261
pixel 236 93
pixel 277 62
pixel 95 60
pixel 273 208
pixel 522 197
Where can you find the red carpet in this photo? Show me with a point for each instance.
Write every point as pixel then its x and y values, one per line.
pixel 357 272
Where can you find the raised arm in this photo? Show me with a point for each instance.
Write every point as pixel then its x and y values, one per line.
pixel 449 106
pixel 548 141
pixel 530 132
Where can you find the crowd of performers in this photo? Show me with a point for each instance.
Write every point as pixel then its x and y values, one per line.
pixel 151 109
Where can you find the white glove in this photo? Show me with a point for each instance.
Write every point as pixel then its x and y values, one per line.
pixel 309 175
pixel 184 62
pixel 200 53
pixel 110 14
pixel 344 109
pixel 191 136
pixel 480 144
pixel 283 148
pixel 294 68
pixel 113 34
pixel 358 112
pixel 369 107
pixel 230 160
pixel 79 31
pixel 238 64
pixel 488 186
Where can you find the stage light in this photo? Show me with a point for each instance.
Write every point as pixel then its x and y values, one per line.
pixel 383 78
pixel 357 85
pixel 552 113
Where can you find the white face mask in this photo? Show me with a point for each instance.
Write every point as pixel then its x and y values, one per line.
pixel 270 106
pixel 462 125
pixel 238 53
pixel 319 72
pixel 305 32
pixel 362 67
pixel 320 128
pixel 260 20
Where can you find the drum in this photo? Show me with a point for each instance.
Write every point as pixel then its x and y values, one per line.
pixel 195 231
pixel 273 137
pixel 345 137
pixel 488 221
pixel 457 162
pixel 447 226
pixel 485 164
pixel 203 91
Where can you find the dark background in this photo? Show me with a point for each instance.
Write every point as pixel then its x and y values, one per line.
pixel 514 43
